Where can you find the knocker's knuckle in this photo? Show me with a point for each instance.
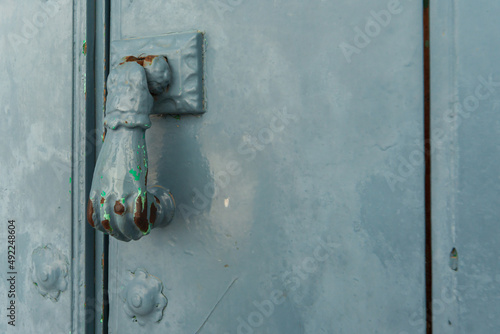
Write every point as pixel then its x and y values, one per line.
pixel 119 208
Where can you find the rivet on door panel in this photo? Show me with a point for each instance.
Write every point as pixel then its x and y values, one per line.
pixel 49 272
pixel 143 298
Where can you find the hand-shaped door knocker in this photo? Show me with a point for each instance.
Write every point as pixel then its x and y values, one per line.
pixel 120 203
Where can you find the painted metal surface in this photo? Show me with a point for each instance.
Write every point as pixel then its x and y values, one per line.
pixel 43 162
pixel 465 183
pixel 299 193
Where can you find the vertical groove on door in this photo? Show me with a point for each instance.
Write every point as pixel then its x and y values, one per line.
pixel 427 148
pixel 107 35
pixel 88 50
pixel 97 86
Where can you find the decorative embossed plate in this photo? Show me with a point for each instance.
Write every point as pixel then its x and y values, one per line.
pixel 184 52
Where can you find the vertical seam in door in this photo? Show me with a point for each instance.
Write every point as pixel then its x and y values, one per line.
pixel 427 148
pixel 107 29
pixel 89 249
pixel 97 70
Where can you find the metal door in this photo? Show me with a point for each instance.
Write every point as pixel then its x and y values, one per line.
pixel 299 193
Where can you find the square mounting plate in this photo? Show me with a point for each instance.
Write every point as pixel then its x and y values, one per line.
pixel 184 52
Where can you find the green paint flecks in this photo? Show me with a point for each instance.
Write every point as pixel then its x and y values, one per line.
pixel 103 194
pixel 136 175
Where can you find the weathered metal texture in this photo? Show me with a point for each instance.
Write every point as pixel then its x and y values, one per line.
pixel 465 47
pixel 142 297
pixel 43 157
pixel 299 193
pixel 184 52
pixel 119 203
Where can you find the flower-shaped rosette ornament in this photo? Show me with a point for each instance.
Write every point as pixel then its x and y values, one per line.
pixel 143 298
pixel 49 272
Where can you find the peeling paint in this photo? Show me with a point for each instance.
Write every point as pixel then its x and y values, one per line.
pixel 141 214
pixel 90 213
pixel 454 259
pixel 152 214
pixel 137 175
pixel 105 224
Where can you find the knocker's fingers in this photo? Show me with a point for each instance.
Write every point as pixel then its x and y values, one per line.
pixel 103 217
pixel 96 215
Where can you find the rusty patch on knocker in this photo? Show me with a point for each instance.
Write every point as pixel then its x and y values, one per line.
pixel 141 214
pixel 90 212
pixel 152 214
pixel 105 224
pixel 119 208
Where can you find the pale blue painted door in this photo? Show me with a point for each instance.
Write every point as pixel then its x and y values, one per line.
pixel 314 114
